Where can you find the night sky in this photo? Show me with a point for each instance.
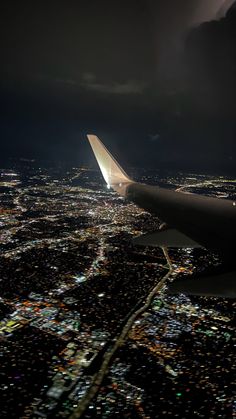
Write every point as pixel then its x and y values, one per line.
pixel 155 79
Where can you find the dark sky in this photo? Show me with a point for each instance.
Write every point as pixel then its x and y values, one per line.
pixel 155 79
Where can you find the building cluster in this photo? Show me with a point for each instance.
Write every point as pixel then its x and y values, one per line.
pixel 70 277
pixel 177 362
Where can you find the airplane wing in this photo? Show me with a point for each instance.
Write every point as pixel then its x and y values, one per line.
pixel 115 177
pixel 194 220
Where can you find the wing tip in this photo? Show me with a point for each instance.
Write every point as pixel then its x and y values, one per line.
pixel 112 172
pixel 91 137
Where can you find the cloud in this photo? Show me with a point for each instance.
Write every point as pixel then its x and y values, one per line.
pixel 225 6
pixel 130 87
pixel 89 82
pixel 211 61
pixel 154 137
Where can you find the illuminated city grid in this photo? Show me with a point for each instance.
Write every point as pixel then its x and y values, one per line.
pixel 71 279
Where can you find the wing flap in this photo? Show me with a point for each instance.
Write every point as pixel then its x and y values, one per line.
pixel 166 238
pixel 221 285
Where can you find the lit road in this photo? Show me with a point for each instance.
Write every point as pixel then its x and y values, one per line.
pixel 205 183
pixel 118 341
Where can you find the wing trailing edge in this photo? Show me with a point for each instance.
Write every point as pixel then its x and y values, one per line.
pixel 221 285
pixel 166 238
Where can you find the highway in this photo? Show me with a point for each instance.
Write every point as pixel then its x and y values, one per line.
pixel 118 341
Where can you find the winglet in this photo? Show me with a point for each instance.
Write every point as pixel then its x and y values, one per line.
pixel 113 174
